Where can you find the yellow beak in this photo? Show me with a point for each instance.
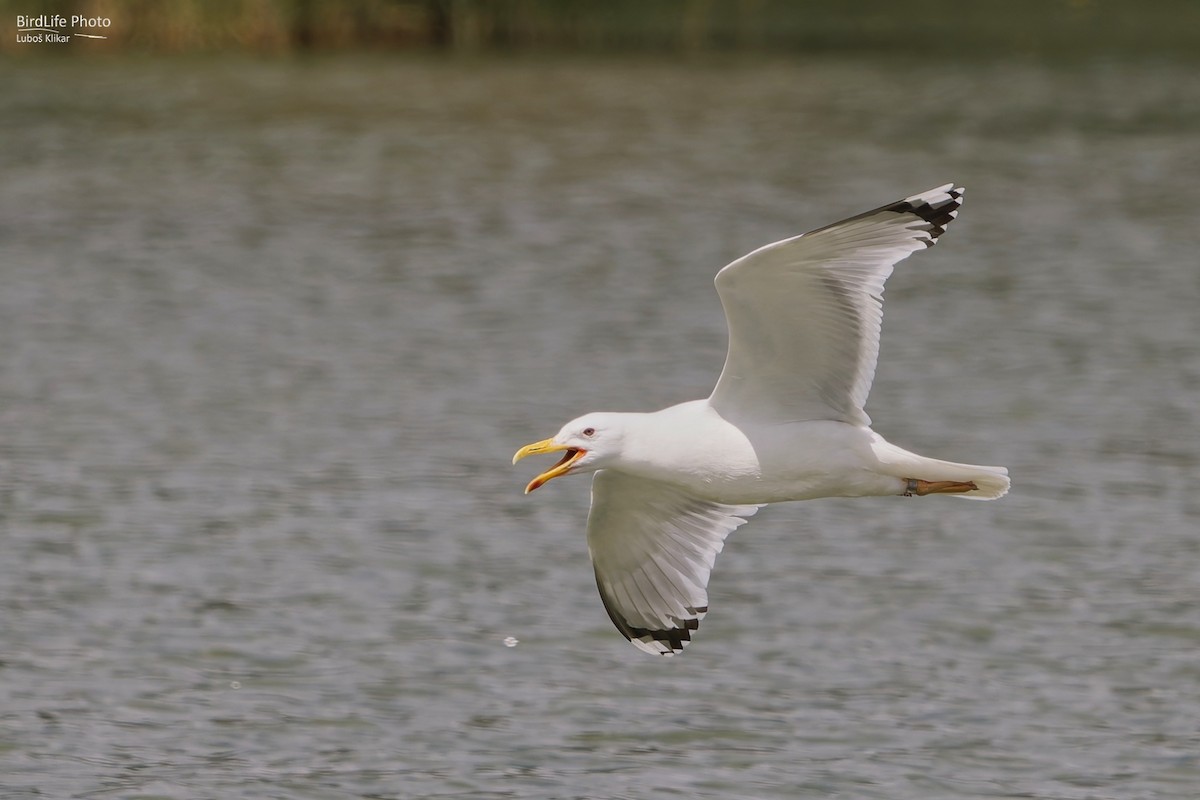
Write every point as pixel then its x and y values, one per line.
pixel 561 468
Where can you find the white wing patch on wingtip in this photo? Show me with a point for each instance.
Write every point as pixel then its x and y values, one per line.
pixel 653 547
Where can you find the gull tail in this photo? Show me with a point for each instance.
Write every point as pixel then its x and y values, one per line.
pixel 993 482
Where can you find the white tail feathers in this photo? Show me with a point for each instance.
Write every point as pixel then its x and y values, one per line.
pixel 992 482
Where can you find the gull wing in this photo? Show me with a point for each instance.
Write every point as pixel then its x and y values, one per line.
pixel 653 547
pixel 804 313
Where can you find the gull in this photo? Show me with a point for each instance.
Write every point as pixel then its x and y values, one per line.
pixel 785 422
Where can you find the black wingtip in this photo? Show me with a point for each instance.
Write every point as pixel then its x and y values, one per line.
pixel 674 639
pixel 937 207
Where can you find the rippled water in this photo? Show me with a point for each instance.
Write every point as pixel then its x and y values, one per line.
pixel 272 332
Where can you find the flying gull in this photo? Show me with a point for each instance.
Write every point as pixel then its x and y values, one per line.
pixel 785 422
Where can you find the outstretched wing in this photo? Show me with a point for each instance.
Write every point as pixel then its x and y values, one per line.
pixel 653 547
pixel 804 313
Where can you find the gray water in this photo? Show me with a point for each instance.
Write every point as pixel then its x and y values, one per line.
pixel 272 331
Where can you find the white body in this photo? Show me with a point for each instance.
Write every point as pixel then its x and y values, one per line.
pixel 758 463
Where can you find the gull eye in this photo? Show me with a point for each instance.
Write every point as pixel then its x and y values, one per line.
pixel 589 432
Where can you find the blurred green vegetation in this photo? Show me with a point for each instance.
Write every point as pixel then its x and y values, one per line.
pixel 914 27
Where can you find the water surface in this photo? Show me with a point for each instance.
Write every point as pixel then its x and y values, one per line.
pixel 273 330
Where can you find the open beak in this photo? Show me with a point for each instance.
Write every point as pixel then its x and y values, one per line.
pixel 564 465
